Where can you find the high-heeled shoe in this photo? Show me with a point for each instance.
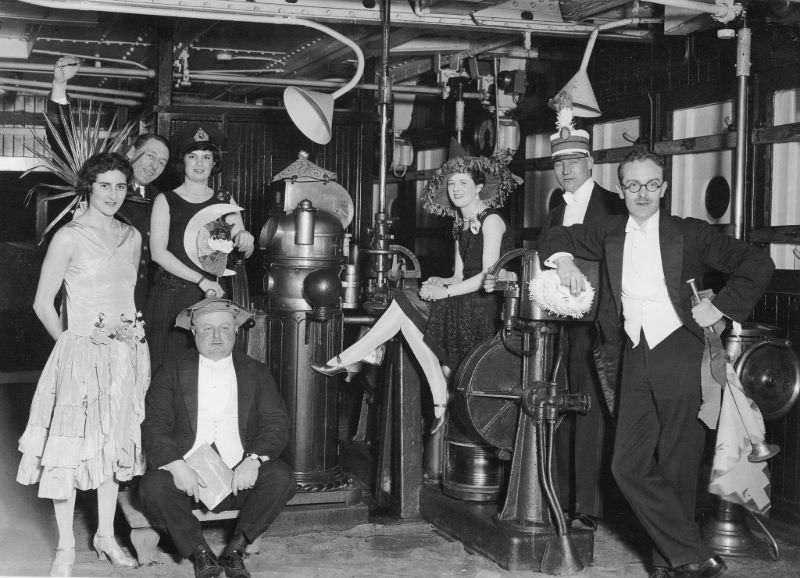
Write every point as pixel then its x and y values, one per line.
pixel 107 547
pixel 65 560
pixel 441 420
pixel 331 370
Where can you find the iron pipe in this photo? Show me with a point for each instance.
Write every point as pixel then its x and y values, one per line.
pixel 743 46
pixel 85 71
pixel 74 88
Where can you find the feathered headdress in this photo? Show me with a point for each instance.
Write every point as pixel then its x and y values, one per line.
pixel 567 140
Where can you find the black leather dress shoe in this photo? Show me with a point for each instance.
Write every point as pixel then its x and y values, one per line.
pixel 714 566
pixel 205 563
pixel 660 572
pixel 232 561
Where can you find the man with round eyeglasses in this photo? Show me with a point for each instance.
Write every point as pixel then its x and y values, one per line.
pixel 584 441
pixel 648 256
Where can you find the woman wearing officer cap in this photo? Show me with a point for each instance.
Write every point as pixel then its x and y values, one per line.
pixel 180 280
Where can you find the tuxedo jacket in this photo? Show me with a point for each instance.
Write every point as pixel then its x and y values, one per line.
pixel 689 247
pixel 169 428
pixel 602 203
pixel 135 210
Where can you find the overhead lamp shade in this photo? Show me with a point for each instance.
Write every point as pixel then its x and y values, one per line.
pixel 580 91
pixel 311 112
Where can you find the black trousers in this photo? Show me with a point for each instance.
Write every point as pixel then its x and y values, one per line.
pixel 584 448
pixel 659 443
pixel 171 509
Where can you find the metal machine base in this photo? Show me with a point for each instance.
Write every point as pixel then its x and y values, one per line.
pixel 475 524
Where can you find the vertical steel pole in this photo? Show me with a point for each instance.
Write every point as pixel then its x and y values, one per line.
pixel 743 46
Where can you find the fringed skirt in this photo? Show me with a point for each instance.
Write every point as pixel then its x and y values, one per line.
pixel 84 424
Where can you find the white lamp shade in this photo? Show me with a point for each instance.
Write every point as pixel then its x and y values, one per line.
pixel 311 112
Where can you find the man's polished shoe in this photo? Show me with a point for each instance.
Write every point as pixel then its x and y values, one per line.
pixel 205 563
pixel 232 561
pixel 660 572
pixel 714 566
pixel 331 370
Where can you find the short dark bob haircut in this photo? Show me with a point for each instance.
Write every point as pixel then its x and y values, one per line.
pixel 180 167
pixel 103 163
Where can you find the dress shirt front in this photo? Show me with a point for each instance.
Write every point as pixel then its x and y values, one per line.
pixel 646 305
pixel 577 203
pixel 218 409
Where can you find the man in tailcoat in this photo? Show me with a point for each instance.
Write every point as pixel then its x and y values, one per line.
pixel 584 446
pixel 221 397
pixel 148 155
pixel 648 257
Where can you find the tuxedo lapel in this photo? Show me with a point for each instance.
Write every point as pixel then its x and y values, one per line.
pixel 245 387
pixel 615 245
pixel 187 376
pixel 671 240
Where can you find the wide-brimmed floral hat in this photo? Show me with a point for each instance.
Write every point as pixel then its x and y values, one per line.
pixel 500 181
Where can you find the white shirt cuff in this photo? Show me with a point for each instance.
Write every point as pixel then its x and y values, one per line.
pixel 551 262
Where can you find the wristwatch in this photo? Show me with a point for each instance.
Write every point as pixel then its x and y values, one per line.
pixel 261 459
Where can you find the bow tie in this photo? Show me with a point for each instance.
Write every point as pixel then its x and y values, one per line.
pixel 631 228
pixel 570 198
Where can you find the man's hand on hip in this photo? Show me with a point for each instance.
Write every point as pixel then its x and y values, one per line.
pixel 705 314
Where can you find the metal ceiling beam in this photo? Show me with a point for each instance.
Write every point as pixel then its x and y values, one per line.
pixel 577 10
pixel 503 18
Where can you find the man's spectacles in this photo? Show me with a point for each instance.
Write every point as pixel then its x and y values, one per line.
pixel 634 186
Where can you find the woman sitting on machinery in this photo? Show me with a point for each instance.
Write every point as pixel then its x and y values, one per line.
pixel 449 316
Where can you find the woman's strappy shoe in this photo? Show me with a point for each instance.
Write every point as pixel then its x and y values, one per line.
pixel 331 370
pixel 441 420
pixel 65 560
pixel 107 547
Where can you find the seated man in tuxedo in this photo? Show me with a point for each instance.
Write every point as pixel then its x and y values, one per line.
pixel 221 397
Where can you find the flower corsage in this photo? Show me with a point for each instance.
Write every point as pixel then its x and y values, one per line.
pixel 128 331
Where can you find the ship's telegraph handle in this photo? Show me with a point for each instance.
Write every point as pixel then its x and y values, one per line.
pixel 399 274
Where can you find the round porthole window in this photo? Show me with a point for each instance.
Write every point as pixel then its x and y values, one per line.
pixel 718 197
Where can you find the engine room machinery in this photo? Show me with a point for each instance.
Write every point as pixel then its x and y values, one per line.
pixel 302 248
pixel 507 396
pixel 769 371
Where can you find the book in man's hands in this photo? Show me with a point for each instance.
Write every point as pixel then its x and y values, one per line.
pixel 215 473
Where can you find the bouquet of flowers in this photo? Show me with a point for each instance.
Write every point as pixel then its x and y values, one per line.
pixel 129 331
pixel 214 243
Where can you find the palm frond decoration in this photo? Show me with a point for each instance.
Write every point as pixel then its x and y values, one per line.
pixel 81 136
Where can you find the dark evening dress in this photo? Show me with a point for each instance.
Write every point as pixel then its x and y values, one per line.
pixel 169 294
pixel 453 326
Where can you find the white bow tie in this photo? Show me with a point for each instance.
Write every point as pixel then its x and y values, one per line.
pixel 635 229
pixel 570 198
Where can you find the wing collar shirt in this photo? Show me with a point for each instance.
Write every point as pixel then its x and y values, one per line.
pixel 218 409
pixel 646 305
pixel 577 203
